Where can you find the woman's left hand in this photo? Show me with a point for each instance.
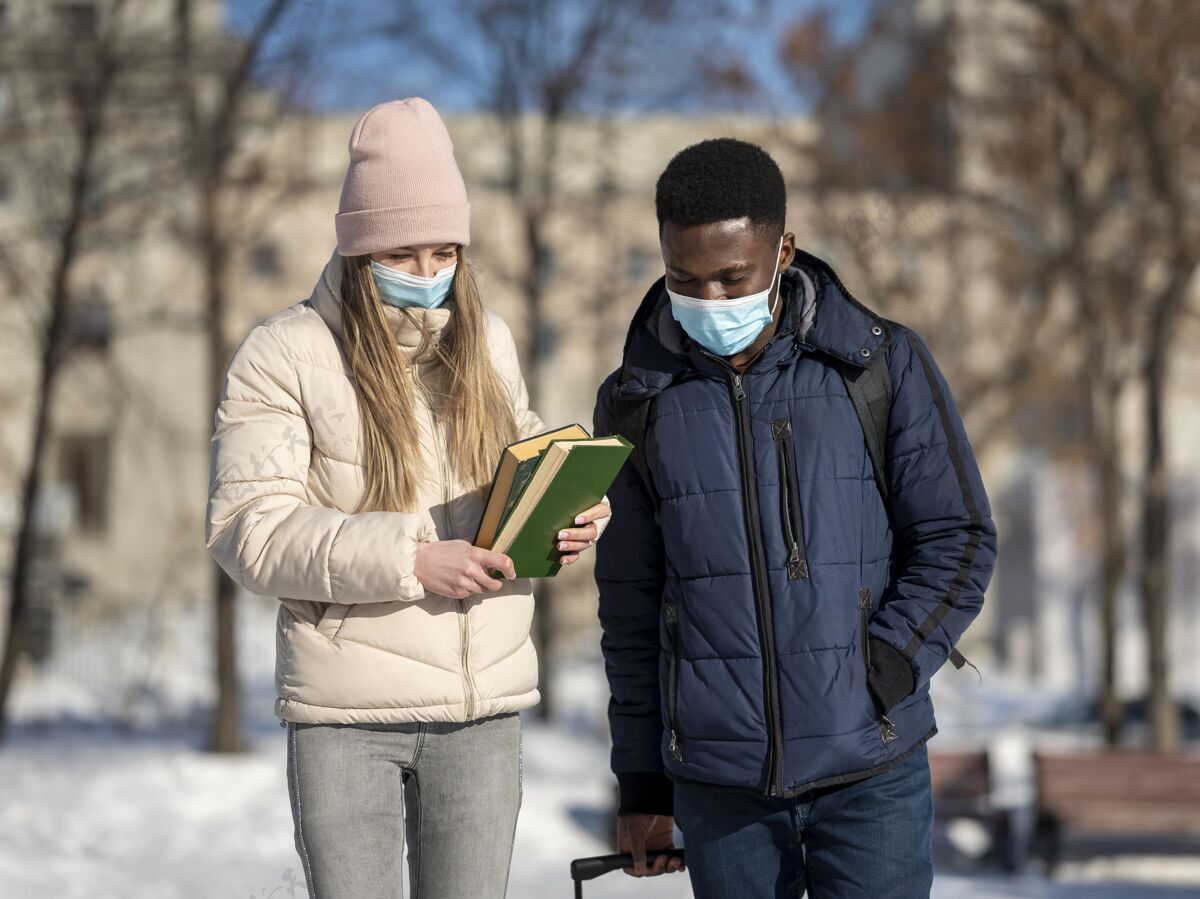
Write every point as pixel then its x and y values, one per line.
pixel 573 541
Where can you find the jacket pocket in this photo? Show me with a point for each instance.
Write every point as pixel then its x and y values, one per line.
pixel 675 743
pixel 789 492
pixel 332 618
pixel 884 724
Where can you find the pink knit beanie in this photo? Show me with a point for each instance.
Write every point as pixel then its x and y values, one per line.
pixel 403 186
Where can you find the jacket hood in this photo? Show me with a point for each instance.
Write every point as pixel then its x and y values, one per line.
pixel 821 315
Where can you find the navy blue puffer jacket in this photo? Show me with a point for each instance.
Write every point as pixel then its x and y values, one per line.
pixel 737 631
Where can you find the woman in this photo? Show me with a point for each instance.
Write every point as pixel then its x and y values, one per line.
pixel 355 436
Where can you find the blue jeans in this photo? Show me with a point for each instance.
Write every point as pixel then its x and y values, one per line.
pixel 872 838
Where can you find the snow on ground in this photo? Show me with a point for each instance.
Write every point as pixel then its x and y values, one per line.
pixel 94 812
pixel 93 815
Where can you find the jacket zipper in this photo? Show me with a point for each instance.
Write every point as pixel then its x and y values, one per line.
pixel 887 728
pixel 758 576
pixel 864 614
pixel 464 629
pixel 789 488
pixel 675 746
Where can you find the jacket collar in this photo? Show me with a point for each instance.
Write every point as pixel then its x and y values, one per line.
pixel 833 322
pixel 408 326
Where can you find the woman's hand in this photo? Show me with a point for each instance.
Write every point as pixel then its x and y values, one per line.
pixel 573 541
pixel 456 568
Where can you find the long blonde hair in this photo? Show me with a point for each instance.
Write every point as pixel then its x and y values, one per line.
pixel 477 413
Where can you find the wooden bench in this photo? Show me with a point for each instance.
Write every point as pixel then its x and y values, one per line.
pixel 962 788
pixel 1111 794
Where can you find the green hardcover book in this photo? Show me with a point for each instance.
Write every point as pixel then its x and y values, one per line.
pixel 524 474
pixel 571 476
pixel 504 492
pixel 514 470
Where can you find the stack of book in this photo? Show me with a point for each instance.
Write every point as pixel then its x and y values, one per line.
pixel 541 484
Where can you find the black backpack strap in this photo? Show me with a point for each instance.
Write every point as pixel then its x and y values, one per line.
pixel 631 415
pixel 870 390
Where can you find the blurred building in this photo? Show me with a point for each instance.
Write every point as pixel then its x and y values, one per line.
pixel 89 162
pixel 127 462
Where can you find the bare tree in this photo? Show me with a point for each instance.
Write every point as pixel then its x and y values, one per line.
pixel 1142 53
pixel 1057 158
pixel 222 103
pixel 68 90
pixel 878 185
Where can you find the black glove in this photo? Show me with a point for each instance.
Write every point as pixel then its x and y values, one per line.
pixel 891 679
pixel 645 793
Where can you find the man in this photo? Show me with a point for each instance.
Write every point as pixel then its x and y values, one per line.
pixel 775 595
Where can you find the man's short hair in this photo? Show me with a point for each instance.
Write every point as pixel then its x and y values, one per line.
pixel 721 179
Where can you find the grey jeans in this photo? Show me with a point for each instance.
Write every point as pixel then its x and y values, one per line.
pixel 359 792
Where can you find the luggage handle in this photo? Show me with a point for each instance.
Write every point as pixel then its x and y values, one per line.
pixel 589 868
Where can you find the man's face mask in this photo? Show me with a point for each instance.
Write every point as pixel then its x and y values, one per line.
pixel 726 327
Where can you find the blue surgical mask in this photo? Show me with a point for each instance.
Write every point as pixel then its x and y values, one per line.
pixel 725 327
pixel 405 289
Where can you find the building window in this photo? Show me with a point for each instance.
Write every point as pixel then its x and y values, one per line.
pixel 89 323
pixel 83 465
pixel 547 266
pixel 3 16
pixel 93 199
pixel 265 260
pixel 5 188
pixel 638 262
pixel 607 187
pixel 255 172
pixel 77 20
pixel 5 89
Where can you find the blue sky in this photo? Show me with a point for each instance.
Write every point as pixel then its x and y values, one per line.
pixel 360 65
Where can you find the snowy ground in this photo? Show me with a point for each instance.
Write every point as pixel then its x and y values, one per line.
pixel 91 811
pixel 101 815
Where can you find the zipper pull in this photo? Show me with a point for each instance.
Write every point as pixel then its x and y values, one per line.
pixel 282 723
pixel 738 392
pixel 887 729
pixel 797 567
pixel 674 748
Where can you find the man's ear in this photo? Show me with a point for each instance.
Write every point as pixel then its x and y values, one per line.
pixel 787 252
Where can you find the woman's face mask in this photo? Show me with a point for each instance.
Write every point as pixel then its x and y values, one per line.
pixel 725 327
pixel 405 289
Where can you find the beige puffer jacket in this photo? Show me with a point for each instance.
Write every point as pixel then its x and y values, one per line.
pixel 358 640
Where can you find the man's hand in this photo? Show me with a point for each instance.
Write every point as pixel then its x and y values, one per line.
pixel 642 834
pixel 457 569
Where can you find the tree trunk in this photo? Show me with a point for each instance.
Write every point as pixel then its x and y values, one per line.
pixel 1112 546
pixel 23 557
pixel 52 353
pixel 226 724
pixel 543 615
pixel 226 729
pixel 1163 713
